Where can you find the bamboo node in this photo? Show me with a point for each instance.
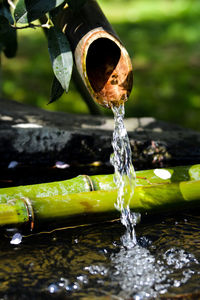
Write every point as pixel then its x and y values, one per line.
pixel 30 211
pixel 11 201
pixel 89 182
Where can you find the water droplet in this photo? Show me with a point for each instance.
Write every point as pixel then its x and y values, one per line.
pixel 83 278
pixel 53 288
pixel 63 282
pixel 73 286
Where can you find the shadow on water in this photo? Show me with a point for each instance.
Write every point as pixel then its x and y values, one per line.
pixel 91 263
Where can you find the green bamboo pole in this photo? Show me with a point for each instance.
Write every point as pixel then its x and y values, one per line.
pixel 156 197
pixel 14 212
pixel 156 190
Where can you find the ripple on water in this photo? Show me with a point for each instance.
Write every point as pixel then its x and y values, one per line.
pixel 91 262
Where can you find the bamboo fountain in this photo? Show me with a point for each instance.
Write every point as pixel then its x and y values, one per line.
pixel 105 70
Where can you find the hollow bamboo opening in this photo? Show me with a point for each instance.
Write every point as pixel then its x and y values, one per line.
pixel 105 67
pixel 102 58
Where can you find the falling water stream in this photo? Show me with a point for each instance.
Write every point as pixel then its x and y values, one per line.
pixel 139 274
pixel 125 177
pixel 101 261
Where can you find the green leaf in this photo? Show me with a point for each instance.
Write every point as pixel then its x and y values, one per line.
pixel 56 90
pixel 8 35
pixel 61 56
pixel 27 11
pixel 10 43
pixel 5 11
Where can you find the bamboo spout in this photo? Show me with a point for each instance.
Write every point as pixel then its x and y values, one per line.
pixel 101 60
pixel 105 67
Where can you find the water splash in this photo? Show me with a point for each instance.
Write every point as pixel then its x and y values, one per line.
pixel 125 176
pixel 140 275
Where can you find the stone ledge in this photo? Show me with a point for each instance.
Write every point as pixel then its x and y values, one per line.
pixel 32 135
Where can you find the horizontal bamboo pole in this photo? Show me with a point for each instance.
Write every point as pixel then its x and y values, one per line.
pixel 14 212
pixel 156 190
pixel 146 198
pixel 84 183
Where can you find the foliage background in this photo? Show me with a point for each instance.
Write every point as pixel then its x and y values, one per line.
pixel 163 40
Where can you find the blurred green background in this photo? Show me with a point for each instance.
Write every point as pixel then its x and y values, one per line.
pixel 163 40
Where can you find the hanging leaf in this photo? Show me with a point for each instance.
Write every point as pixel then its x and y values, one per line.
pixel 27 11
pixel 8 35
pixel 56 90
pixel 5 11
pixel 10 43
pixel 61 56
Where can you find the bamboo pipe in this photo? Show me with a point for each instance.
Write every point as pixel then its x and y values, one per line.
pixel 84 207
pixel 86 196
pixel 15 211
pixel 101 60
pixel 84 183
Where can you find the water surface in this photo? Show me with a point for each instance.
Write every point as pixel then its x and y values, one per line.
pixel 92 263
